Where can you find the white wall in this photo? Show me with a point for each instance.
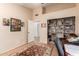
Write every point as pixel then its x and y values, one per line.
pixel 59 14
pixel 10 40
pixel 59 6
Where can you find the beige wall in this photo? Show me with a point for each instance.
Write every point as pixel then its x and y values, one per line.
pixel 60 14
pixel 59 6
pixel 10 40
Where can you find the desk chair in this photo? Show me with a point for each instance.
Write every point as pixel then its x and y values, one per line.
pixel 60 47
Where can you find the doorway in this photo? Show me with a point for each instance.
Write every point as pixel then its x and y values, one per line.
pixel 33 31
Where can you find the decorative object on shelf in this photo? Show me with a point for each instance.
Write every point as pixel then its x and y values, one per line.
pixel 22 24
pixel 5 22
pixel 60 22
pixel 15 24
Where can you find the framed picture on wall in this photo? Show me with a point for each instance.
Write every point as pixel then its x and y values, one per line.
pixel 5 22
pixel 22 24
pixel 43 25
pixel 15 24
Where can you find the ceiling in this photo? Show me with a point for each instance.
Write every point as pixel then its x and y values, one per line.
pixel 35 5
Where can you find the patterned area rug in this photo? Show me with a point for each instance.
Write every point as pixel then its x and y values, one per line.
pixel 36 50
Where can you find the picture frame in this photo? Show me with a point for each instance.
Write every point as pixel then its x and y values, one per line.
pixel 22 24
pixel 43 25
pixel 15 24
pixel 5 22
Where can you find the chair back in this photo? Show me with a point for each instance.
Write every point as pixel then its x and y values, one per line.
pixel 60 47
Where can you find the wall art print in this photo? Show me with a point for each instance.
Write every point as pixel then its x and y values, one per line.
pixel 15 24
pixel 22 24
pixel 43 25
pixel 5 21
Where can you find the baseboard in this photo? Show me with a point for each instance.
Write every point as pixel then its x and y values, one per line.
pixel 19 49
pixel 14 50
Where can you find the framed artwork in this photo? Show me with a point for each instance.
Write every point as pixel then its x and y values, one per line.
pixel 43 25
pixel 15 24
pixel 22 24
pixel 5 22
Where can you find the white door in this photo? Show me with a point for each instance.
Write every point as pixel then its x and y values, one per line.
pixel 33 30
pixel 36 31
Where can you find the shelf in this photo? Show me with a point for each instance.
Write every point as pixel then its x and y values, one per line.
pixel 62 26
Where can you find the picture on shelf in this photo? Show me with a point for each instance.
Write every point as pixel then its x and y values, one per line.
pixel 5 22
pixel 15 24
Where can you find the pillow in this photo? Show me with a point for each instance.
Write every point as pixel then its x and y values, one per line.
pixel 72 39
